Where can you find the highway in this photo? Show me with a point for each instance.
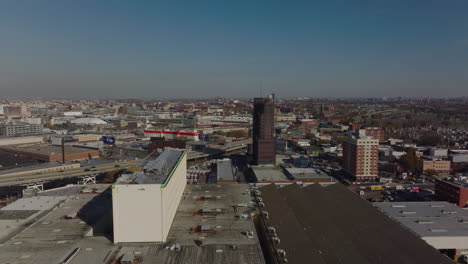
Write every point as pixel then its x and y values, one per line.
pixel 43 177
pixel 78 172
pixel 223 149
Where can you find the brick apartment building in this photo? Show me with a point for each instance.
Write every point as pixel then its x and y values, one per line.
pixel 360 158
pixel 453 190
pixel 374 132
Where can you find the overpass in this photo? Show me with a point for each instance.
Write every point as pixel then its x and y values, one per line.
pixel 229 148
pixel 35 180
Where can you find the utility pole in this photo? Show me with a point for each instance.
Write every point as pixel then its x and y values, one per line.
pixel 63 150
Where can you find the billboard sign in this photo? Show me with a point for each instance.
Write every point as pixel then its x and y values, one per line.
pixel 108 140
pixel 56 141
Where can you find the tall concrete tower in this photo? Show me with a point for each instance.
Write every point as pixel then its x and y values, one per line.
pixel 264 130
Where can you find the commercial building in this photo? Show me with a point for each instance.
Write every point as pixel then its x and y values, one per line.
pixel 360 158
pixel 438 152
pixel 438 165
pixel 459 156
pixel 263 130
pixel 161 143
pixel 331 224
pixel 73 113
pixel 171 134
pixel 441 224
pixel 20 129
pixel 454 190
pixel 145 203
pixel 52 153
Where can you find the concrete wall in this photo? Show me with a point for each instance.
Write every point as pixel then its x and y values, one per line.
pixel 145 212
pixel 21 140
pixel 137 213
pixel 447 242
pixel 42 170
pixel 171 195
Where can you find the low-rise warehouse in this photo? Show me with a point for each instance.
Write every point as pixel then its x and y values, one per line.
pixel 52 153
pixel 332 224
pixel 441 224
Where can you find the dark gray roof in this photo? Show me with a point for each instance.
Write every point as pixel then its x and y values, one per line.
pixel 155 171
pixel 334 225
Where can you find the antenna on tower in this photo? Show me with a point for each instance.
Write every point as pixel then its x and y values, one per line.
pixel 261 88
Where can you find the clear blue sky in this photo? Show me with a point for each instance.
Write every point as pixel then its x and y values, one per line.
pixel 151 49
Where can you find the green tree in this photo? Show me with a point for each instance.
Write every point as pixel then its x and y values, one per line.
pixel 430 139
pixel 409 160
pixel 430 172
pixel 309 136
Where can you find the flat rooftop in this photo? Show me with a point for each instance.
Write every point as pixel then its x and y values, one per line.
pixel 155 170
pixel 49 238
pixel 428 219
pixel 230 201
pixel 307 173
pixel 335 224
pixel 269 174
pixel 224 170
pixel 455 182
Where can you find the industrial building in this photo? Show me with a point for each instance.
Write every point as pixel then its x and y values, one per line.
pixel 361 158
pixel 316 224
pixel 144 203
pixel 52 153
pixel 263 130
pixel 4 141
pixel 51 226
pixel 438 165
pixel 441 224
pixel 20 129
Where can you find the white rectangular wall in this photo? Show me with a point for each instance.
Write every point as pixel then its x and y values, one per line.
pixel 172 193
pixel 137 213
pixel 145 212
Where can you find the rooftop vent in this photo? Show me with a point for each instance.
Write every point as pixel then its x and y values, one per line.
pixel 424 222
pixel 271 230
pixel 448 212
pixel 438 230
pixel 276 240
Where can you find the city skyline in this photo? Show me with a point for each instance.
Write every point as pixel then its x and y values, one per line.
pixel 87 49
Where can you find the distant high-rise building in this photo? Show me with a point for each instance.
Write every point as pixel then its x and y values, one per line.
pixel 263 130
pixel 16 111
pixel 361 158
pixel 20 129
